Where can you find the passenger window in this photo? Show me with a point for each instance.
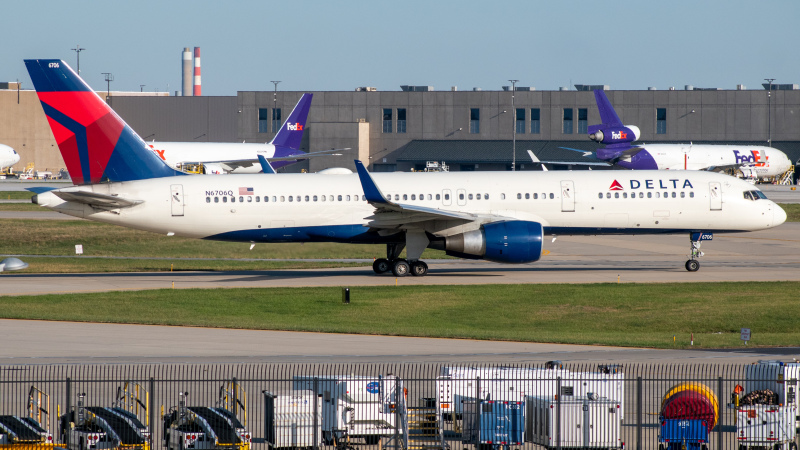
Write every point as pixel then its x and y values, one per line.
pixel 461 196
pixel 315 198
pixel 241 199
pixel 430 197
pixel 674 195
pixel 208 199
pixel 330 198
pixel 233 199
pixel 340 198
pixel 502 196
pixel 608 194
pixel 616 194
pixel 519 196
pixel 552 196
pixel 348 198
pixel 477 196
pixel 291 198
pixel 536 196
pixel 447 196
pixel 307 198
pixel 624 195
pixel 413 196
pixel 691 194
pixel 486 196
pixel 274 199
pixel 258 199
pixel 249 198
pixel 544 196
pixel 683 194
pixel 469 197
pixel 216 199
pixel 438 197
pixel 224 199
pixel 527 196
pixel 600 195
pixel 649 195
pixel 641 194
pixel 405 196
pixel 422 197
pixel 283 199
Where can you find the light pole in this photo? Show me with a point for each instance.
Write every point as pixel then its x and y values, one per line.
pixel 109 79
pixel 78 51
pixel 769 111
pixel 141 88
pixel 274 104
pixel 514 123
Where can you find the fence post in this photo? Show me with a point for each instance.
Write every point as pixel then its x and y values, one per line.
pixel 721 410
pixel 639 413
pixel 558 413
pixel 235 404
pixel 68 408
pixel 151 411
pixel 477 410
pixel 316 413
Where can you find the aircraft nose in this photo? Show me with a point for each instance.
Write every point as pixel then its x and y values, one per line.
pixel 778 216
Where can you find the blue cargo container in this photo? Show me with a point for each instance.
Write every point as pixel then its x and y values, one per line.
pixel 497 424
pixel 675 433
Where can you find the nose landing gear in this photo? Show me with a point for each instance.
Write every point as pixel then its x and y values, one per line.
pixel 695 239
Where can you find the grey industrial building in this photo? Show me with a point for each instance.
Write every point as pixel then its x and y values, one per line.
pixel 401 130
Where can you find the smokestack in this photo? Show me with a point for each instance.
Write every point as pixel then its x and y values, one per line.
pixel 186 73
pixel 196 72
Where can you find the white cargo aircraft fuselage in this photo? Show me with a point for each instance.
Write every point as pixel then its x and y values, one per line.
pixel 216 157
pixel 753 161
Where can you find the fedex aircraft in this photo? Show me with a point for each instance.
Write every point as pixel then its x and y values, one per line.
pixel 754 161
pixel 218 158
pixel 500 217
pixel 8 156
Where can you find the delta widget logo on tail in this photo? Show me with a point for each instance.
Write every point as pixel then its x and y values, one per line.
pixel 615 186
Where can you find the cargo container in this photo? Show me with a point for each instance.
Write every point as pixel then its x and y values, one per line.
pixel 289 419
pixel 766 426
pixel 491 424
pixel 683 434
pixel 573 422
pixel 368 408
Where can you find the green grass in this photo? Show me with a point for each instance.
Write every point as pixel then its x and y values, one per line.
pixel 16 195
pixel 635 315
pixel 792 211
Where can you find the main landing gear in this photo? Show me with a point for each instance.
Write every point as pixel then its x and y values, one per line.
pixel 398 266
pixel 695 239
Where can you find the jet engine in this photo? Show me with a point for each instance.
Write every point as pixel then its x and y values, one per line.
pixel 614 135
pixel 511 241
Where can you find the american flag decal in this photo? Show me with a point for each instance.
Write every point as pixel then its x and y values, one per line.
pixel 245 191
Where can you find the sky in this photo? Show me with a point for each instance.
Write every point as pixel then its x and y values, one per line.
pixel 325 45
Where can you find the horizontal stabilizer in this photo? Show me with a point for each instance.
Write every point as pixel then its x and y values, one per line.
pixel 94 199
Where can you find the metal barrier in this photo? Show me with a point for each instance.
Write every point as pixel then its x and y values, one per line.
pixel 399 406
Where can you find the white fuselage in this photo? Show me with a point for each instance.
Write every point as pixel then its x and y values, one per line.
pixel 8 157
pixel 600 202
pixel 215 156
pixel 760 161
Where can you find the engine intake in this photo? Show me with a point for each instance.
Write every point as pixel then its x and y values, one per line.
pixel 511 241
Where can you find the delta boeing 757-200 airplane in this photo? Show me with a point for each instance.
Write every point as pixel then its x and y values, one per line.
pixel 500 217
pixel 754 161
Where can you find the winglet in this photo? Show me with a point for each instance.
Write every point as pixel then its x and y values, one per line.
pixel 371 190
pixel 266 167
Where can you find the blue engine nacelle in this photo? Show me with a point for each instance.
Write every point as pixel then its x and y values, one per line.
pixel 511 241
pixel 614 135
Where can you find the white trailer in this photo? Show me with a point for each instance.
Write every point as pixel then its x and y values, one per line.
pixel 458 384
pixel 779 377
pixel 766 426
pixel 583 423
pixel 364 407
pixel 289 419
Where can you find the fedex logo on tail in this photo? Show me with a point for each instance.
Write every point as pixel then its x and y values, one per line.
pixel 619 135
pixel 294 126
pixel 753 158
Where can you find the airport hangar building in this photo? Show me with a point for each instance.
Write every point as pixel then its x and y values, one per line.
pixel 402 130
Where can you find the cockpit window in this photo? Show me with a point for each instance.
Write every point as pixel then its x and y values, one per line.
pixel 754 195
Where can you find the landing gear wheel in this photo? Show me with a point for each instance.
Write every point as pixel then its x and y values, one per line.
pixel 400 268
pixel 692 265
pixel 381 265
pixel 419 269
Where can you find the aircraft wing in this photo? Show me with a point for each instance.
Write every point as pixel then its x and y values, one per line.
pixel 391 215
pixel 94 199
pixel 308 155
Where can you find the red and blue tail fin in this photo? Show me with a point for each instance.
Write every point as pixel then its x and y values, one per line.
pixel 291 133
pixel 96 144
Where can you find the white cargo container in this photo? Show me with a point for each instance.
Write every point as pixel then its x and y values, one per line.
pixel 779 377
pixel 366 407
pixel 289 419
pixel 584 423
pixel 459 384
pixel 766 426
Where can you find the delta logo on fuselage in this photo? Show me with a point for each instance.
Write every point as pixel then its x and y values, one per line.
pixel 752 158
pixel 294 126
pixel 673 183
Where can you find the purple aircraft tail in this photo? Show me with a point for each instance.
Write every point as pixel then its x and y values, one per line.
pixel 608 116
pixel 291 133
pixel 611 132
